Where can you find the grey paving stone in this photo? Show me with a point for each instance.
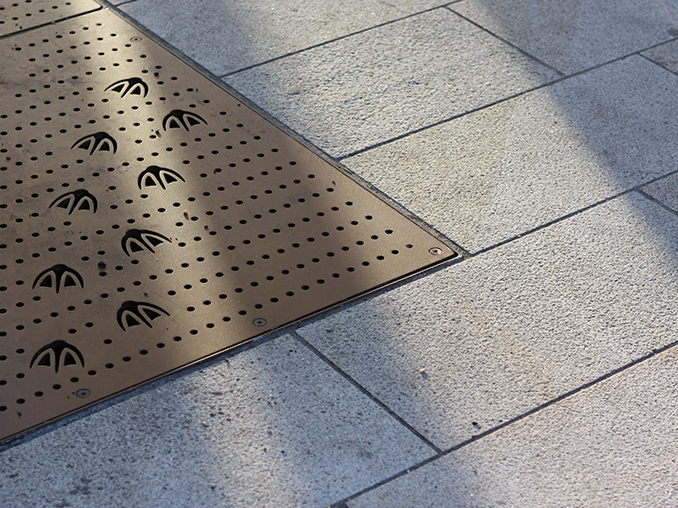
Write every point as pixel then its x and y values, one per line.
pixel 614 444
pixel 665 55
pixel 573 35
pixel 496 173
pixel 485 340
pixel 227 36
pixel 665 191
pixel 275 426
pixel 383 83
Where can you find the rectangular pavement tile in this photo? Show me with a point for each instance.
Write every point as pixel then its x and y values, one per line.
pixel 490 338
pixel 614 444
pixel 274 426
pixel 226 36
pixel 388 81
pixel 496 173
pixel 573 35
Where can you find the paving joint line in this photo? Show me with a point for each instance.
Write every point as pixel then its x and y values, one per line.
pixel 486 106
pixel 560 73
pixel 516 419
pixel 658 64
pixel 656 201
pixel 569 215
pixel 366 392
pixel 465 255
pixel 320 44
pixel 657 45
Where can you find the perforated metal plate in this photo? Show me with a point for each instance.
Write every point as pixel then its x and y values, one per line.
pixel 20 15
pixel 148 219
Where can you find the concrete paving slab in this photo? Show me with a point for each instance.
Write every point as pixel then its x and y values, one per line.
pixel 665 55
pixel 383 83
pixel 665 191
pixel 573 35
pixel 274 426
pixel 499 172
pixel 614 444
pixel 227 36
pixel 479 343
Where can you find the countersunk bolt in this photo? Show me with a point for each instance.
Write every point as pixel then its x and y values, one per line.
pixel 436 251
pixel 83 393
pixel 259 322
pixel 135 39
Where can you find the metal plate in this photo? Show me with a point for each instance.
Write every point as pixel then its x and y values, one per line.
pixel 148 219
pixel 20 15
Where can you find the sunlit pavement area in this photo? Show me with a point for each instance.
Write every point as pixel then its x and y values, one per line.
pixel 541 137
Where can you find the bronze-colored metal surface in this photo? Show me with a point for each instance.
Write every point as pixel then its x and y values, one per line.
pixel 17 15
pixel 148 219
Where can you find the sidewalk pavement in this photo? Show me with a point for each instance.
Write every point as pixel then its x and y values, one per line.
pixel 540 136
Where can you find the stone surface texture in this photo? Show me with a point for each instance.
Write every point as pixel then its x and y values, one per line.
pixel 574 35
pixel 226 36
pixel 382 83
pixel 573 453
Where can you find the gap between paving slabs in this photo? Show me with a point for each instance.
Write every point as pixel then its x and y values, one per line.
pixel 149 220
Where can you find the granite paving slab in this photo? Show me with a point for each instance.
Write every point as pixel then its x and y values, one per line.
pixel 573 35
pixel 497 173
pixel 486 340
pixel 383 83
pixel 613 444
pixel 228 36
pixel 272 426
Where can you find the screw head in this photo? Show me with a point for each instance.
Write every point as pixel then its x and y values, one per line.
pixel 259 322
pixel 135 39
pixel 83 393
pixel 436 251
